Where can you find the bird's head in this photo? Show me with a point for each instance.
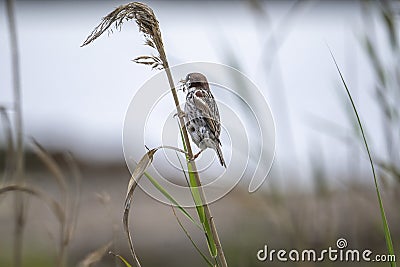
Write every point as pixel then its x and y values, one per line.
pixel 195 79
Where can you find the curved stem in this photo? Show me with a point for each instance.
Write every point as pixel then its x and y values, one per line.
pixel 207 211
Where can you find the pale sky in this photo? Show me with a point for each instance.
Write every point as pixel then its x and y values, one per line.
pixel 76 98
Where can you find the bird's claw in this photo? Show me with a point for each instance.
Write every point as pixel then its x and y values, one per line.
pixel 180 114
pixel 196 156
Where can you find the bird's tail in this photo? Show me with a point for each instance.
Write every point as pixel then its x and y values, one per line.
pixel 220 156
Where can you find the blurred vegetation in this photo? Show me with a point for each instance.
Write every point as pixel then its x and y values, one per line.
pixel 280 218
pixel 384 58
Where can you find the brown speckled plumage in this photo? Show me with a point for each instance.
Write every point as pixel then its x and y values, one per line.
pixel 202 115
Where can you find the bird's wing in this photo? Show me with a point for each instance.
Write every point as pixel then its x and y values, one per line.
pixel 206 103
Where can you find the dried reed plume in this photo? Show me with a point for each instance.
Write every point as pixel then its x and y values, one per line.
pixel 149 26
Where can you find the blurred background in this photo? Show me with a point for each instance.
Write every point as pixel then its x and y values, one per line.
pixel 320 187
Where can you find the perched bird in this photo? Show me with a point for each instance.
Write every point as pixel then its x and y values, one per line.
pixel 202 116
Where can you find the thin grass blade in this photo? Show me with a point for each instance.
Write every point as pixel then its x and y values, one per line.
pixel 388 238
pixel 53 167
pixel 171 198
pixel 199 205
pixel 193 186
pixel 137 173
pixel 141 167
pixel 191 239
pixel 121 258
pixel 389 18
pixel 55 207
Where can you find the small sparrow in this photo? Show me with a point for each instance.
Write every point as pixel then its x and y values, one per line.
pixel 202 116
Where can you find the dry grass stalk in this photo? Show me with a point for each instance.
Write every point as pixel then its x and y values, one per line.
pixel 147 23
pixel 68 203
pixel 140 169
pixel 6 122
pixel 149 26
pixel 137 173
pixel 95 256
pixel 53 167
pixel 18 175
pixel 75 199
pixel 53 204
pixel 15 168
